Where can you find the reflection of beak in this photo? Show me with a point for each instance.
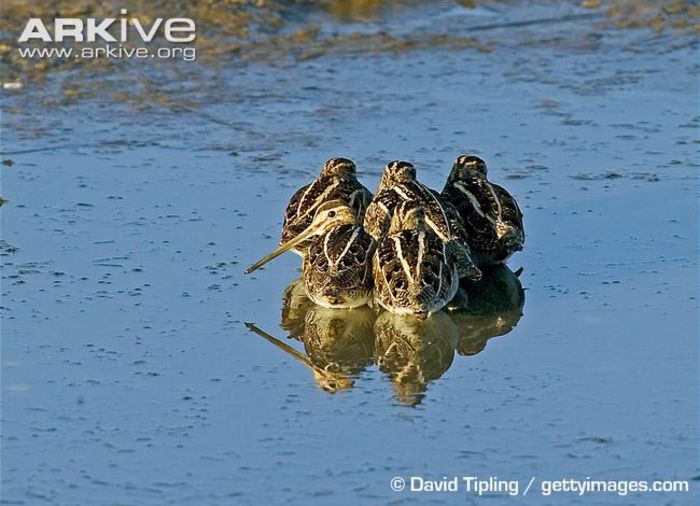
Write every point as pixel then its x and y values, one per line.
pixel 331 384
pixel 327 380
pixel 282 248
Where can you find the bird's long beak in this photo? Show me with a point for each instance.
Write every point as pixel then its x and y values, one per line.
pixel 283 247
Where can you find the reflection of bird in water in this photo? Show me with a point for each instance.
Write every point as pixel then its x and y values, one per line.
pixel 491 216
pixel 413 351
pixel 295 305
pixel 339 343
pixel 399 187
pixel 495 308
pixel 340 340
pixel 415 273
pixel 330 381
pixel 337 181
pixel 337 267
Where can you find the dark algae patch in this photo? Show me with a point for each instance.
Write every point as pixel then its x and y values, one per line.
pixel 235 31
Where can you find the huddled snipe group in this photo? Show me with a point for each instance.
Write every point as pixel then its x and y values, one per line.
pixel 405 248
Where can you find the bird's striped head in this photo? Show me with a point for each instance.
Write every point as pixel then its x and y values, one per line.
pixel 397 172
pixel 334 212
pixel 469 165
pixel 328 215
pixel 339 167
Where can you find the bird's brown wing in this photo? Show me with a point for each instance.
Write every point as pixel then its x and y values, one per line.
pixel 467 197
pixel 509 207
pixel 295 219
pixel 422 254
pixel 360 199
pixel 342 257
pixel 378 214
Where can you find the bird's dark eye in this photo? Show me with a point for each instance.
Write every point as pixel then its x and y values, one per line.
pixel 332 214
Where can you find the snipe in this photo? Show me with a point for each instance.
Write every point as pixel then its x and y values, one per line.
pixel 337 181
pixel 337 267
pixel 490 214
pixel 399 186
pixel 415 272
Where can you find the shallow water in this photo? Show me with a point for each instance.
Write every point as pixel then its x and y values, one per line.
pixel 129 376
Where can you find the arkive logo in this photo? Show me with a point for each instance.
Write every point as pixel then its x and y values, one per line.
pixel 176 30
